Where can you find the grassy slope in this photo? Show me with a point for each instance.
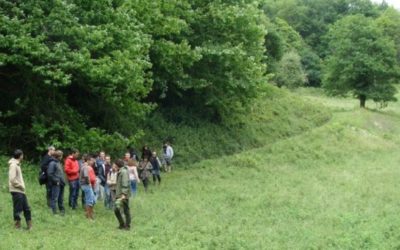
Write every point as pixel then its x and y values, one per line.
pixel 335 186
pixel 275 116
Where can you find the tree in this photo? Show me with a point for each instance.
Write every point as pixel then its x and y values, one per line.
pixel 389 21
pixel 66 66
pixel 290 72
pixel 361 61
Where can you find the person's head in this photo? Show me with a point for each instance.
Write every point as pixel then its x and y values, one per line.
pixel 127 156
pixel 108 159
pixel 58 154
pixel 114 167
pixel 145 159
pixel 102 155
pixel 154 154
pixel 119 164
pixel 50 150
pixel 89 159
pixel 18 154
pixel 145 147
pixel 131 162
pixel 75 153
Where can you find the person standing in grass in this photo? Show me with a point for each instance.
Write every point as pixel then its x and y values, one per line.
pixel 168 155
pixel 122 195
pixel 87 179
pixel 44 164
pixel 16 186
pixel 144 172
pixel 71 167
pixel 112 182
pixel 107 192
pixel 155 162
pixel 133 175
pixel 56 181
pixel 100 175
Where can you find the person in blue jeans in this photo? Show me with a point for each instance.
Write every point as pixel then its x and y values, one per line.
pixel 133 176
pixel 87 179
pixel 71 167
pixel 56 182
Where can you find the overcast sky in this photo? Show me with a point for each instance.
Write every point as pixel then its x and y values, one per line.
pixel 395 3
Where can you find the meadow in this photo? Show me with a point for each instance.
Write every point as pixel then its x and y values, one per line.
pixel 331 185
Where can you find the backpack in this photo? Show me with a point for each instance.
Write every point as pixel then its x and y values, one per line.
pixel 43 172
pixel 42 177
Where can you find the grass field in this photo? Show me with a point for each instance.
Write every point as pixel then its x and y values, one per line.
pixel 335 186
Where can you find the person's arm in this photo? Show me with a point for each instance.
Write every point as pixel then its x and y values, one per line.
pixel 159 163
pixel 135 173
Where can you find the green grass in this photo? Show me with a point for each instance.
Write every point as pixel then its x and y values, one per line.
pixel 275 115
pixel 331 187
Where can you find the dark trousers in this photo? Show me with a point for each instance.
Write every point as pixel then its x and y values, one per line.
pixel 158 178
pixel 73 193
pixel 48 194
pixel 57 197
pixel 20 204
pixel 123 210
pixel 145 183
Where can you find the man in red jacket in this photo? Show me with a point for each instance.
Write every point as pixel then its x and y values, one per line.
pixel 72 171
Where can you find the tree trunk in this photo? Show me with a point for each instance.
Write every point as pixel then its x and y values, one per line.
pixel 363 99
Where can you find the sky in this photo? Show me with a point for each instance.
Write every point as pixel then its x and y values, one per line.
pixel 395 3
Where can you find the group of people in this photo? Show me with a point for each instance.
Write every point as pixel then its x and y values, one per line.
pixel 96 176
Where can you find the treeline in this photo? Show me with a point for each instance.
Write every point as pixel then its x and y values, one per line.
pixel 87 74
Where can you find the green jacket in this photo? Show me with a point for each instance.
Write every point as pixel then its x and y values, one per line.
pixel 123 183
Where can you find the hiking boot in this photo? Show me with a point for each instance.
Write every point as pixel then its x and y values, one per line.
pixel 29 225
pixel 127 227
pixel 17 224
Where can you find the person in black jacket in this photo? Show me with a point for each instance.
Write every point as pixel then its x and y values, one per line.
pixel 44 164
pixel 56 181
pixel 155 162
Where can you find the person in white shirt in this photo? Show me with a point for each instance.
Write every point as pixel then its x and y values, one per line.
pixel 168 155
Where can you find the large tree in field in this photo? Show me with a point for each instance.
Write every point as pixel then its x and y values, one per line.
pixel 361 61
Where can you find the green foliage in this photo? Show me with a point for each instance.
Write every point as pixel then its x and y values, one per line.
pixel 230 73
pixel 68 66
pixel 290 72
pixel 74 59
pixel 389 22
pixel 312 66
pixel 362 60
